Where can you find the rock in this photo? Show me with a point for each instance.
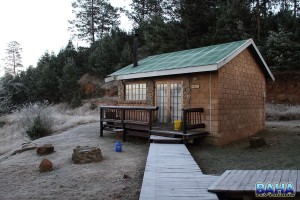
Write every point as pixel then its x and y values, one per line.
pixel 256 141
pixel 86 154
pixel 45 150
pixel 46 165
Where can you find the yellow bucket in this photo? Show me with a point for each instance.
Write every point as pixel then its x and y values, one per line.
pixel 177 125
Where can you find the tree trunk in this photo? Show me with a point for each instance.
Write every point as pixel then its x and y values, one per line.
pixel 295 8
pixel 143 12
pixel 93 24
pixel 258 22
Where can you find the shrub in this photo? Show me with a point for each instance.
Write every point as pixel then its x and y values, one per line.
pixel 93 106
pixel 38 129
pixel 36 119
pixel 76 101
pixel 2 123
pixel 282 112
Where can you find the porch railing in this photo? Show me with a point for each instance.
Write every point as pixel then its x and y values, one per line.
pixel 192 119
pixel 135 118
pixel 126 117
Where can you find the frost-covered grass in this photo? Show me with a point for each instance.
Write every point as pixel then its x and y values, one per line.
pixel 282 112
pixel 66 118
pixel 13 132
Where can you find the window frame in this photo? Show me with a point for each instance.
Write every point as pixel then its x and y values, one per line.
pixel 135 91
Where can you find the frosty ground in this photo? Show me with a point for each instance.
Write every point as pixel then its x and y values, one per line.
pixel 21 179
pixel 281 152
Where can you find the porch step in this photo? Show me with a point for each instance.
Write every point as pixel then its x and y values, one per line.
pixel 166 133
pixel 178 135
pixel 165 140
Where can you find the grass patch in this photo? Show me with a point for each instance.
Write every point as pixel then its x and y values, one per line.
pixel 282 112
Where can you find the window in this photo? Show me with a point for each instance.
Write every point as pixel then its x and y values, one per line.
pixel 135 91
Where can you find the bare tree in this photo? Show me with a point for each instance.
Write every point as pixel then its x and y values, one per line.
pixel 13 57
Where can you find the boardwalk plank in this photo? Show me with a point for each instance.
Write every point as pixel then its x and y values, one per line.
pixel 293 178
pixel 277 176
pixel 220 179
pixel 223 184
pixel 242 181
pixel 236 185
pixel 172 173
pixel 250 186
pixel 234 179
pixel 285 176
pixel 263 176
pixel 270 176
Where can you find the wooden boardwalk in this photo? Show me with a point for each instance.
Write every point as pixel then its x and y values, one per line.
pixel 243 181
pixel 172 173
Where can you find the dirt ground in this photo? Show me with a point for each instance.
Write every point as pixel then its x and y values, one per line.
pixel 21 179
pixel 281 152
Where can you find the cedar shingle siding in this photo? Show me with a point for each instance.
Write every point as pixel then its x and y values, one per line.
pixel 238 102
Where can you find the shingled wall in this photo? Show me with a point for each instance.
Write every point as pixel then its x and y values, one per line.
pixel 237 99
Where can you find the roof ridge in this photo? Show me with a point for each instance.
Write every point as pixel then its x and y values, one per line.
pixel 197 48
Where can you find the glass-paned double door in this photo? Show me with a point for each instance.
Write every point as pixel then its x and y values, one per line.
pixel 169 101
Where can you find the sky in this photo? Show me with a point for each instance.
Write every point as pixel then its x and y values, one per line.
pixel 40 25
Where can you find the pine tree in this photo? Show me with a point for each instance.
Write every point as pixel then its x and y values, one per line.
pixel 143 10
pixel 105 58
pixel 281 51
pixel 68 84
pixel 13 59
pixel 93 18
pixel 47 83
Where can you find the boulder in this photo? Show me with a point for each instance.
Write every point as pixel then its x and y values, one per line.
pixel 45 150
pixel 256 141
pixel 45 165
pixel 86 154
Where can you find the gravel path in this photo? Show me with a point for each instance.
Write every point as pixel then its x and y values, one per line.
pixel 21 179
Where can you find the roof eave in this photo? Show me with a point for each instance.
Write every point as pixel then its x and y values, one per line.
pixel 242 48
pixel 110 78
pixel 263 61
pixel 185 70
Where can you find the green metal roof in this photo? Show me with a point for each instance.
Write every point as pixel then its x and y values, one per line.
pixel 188 58
pixel 188 61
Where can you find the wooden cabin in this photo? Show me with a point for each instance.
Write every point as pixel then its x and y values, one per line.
pixel 228 81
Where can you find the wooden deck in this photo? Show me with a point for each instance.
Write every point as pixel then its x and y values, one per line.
pixel 143 122
pixel 172 173
pixel 243 181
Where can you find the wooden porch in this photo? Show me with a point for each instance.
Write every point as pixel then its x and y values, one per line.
pixel 142 122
